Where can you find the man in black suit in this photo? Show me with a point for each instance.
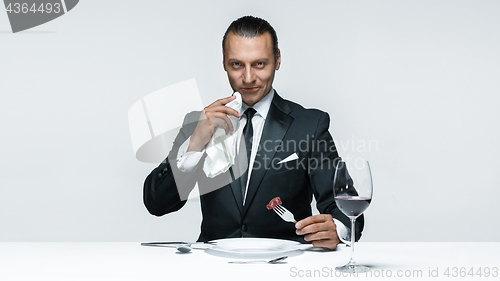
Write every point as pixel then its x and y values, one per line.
pixel 292 154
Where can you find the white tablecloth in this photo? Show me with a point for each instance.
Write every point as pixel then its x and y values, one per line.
pixel 130 261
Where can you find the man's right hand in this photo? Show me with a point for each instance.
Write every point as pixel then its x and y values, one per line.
pixel 212 116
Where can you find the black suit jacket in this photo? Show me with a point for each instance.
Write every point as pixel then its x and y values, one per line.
pixel 289 128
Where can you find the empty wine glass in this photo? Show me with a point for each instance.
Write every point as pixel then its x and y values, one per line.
pixel 352 190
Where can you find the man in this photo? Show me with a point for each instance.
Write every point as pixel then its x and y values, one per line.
pixel 277 129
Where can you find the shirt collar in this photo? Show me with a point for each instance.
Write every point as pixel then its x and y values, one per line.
pixel 262 107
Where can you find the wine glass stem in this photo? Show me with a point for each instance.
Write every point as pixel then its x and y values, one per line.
pixel 353 237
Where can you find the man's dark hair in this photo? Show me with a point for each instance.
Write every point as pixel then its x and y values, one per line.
pixel 249 26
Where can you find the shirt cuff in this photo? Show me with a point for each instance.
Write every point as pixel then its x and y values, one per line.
pixel 343 232
pixel 187 161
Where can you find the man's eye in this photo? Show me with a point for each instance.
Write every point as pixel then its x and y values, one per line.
pixel 260 65
pixel 236 64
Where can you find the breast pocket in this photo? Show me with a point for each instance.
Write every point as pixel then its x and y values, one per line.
pixel 287 163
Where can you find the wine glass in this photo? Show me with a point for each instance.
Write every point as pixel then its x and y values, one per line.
pixel 352 190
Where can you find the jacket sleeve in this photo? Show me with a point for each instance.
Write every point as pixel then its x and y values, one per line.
pixel 166 184
pixel 323 160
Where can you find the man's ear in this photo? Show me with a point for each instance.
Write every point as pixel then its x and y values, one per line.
pixel 224 63
pixel 278 60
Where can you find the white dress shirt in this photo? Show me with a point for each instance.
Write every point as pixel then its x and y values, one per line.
pixel 187 161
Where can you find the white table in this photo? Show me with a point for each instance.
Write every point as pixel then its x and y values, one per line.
pixel 130 261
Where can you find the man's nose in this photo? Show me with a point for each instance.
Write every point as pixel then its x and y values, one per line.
pixel 248 76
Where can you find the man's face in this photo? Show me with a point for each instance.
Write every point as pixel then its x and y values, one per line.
pixel 250 65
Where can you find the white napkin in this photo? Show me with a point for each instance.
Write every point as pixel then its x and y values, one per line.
pixel 221 149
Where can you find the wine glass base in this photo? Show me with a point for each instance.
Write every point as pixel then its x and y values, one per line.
pixel 352 268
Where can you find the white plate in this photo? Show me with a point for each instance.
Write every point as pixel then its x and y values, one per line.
pixel 255 247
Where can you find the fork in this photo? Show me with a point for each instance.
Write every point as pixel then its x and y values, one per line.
pixel 284 213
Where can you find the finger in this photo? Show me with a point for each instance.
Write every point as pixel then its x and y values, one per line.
pixel 312 220
pixel 329 244
pixel 221 119
pixel 223 109
pixel 228 123
pixel 320 235
pixel 222 101
pixel 317 227
pixel 311 228
pixel 325 239
pixel 218 121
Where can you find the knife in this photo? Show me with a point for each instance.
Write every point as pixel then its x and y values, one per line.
pixel 176 244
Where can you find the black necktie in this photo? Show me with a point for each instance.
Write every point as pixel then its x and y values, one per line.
pixel 247 137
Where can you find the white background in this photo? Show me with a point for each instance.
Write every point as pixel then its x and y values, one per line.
pixel 418 80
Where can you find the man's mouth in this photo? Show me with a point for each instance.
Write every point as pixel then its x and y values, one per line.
pixel 251 89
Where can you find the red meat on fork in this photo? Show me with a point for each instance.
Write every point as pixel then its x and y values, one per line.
pixel 273 203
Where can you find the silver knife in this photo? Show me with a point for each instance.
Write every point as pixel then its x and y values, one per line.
pixel 175 244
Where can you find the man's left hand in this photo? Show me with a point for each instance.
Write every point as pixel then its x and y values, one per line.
pixel 320 230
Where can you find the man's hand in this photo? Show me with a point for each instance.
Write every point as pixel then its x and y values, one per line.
pixel 320 230
pixel 213 116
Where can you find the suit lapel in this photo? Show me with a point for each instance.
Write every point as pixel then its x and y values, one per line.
pixel 277 123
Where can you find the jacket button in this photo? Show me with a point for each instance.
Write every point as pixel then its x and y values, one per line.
pixel 244 228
